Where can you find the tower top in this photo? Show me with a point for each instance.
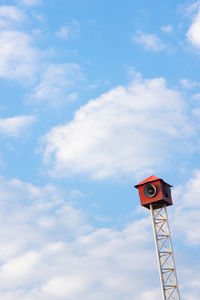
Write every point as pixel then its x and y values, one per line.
pixel 154 190
pixel 150 179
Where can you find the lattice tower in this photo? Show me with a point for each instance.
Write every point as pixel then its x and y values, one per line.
pixel 164 251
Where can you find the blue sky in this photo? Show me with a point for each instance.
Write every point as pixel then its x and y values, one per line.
pixel 95 97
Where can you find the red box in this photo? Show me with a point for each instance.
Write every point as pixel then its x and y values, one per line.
pixel 154 190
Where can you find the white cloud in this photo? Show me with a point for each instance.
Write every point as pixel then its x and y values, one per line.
pixel 35 222
pixel 35 215
pixel 167 28
pixel 150 42
pixel 70 31
pixel 190 9
pixel 196 97
pixel 57 84
pixel 66 255
pixel 13 127
pixel 187 214
pixel 105 262
pixel 20 266
pixel 18 57
pixel 151 294
pixel 193 33
pixel 64 32
pixel 11 16
pixel 68 286
pixel 124 131
pixel 29 2
pixel 189 84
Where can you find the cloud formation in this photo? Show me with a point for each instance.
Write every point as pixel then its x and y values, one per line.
pixel 36 215
pixel 11 16
pixel 189 84
pixel 13 127
pixel 193 33
pixel 49 251
pixel 70 31
pixel 150 42
pixel 18 57
pixel 167 28
pixel 29 2
pixel 21 60
pixel 56 84
pixel 124 131
pixel 187 212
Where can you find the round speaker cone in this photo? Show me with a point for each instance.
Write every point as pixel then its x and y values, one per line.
pixel 150 190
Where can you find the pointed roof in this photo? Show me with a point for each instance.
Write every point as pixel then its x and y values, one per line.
pixel 150 179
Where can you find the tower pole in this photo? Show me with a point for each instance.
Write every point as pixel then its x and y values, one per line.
pixel 164 250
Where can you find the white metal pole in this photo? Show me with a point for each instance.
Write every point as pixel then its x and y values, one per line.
pixel 157 252
pixel 177 288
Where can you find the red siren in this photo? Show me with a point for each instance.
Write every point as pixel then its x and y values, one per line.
pixel 155 191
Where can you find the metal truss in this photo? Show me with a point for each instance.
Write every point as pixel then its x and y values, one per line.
pixel 165 255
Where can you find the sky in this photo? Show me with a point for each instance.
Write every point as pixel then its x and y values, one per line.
pixel 95 97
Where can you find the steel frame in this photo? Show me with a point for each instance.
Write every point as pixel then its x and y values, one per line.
pixel 166 264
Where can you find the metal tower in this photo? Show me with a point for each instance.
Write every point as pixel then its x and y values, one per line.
pixel 155 194
pixel 164 251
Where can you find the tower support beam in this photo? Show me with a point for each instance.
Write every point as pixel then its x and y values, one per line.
pixel 164 250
